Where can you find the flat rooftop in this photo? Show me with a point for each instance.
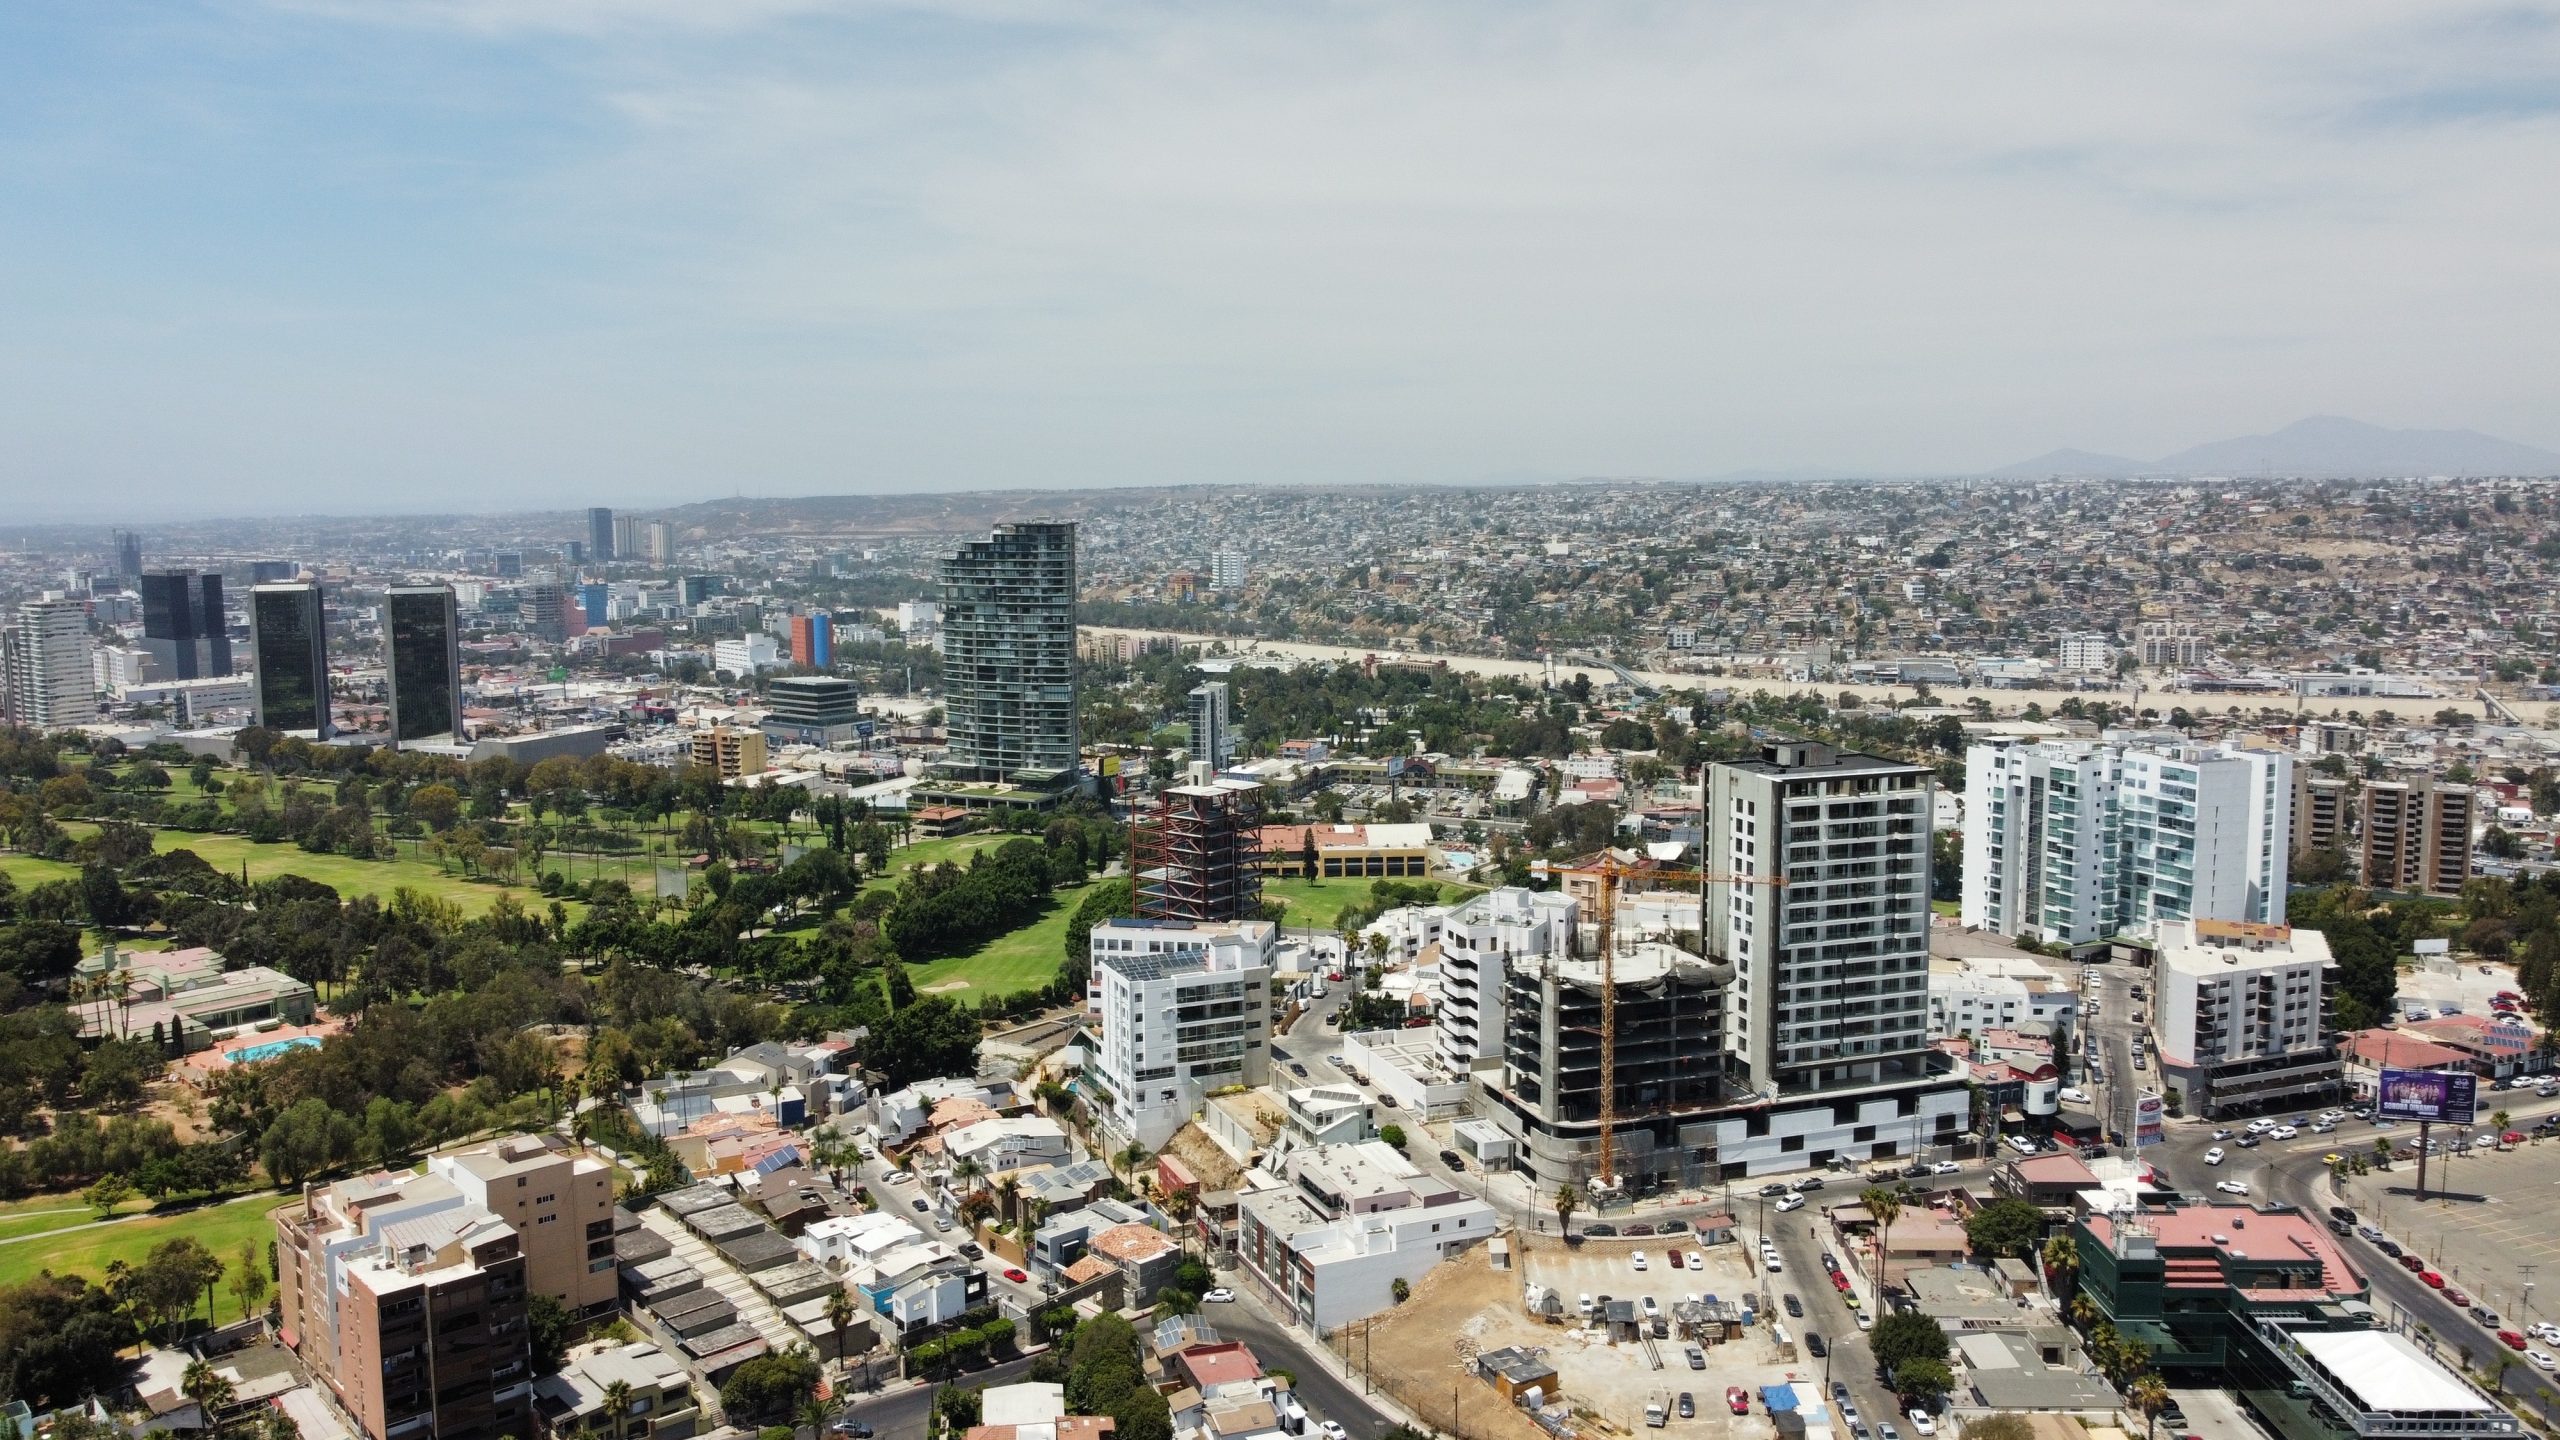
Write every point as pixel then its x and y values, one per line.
pixel 2386 1372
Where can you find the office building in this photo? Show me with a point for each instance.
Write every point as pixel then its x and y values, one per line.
pixel 1971 997
pixel 729 753
pixel 1482 939
pixel 560 1203
pixel 2169 645
pixel 546 613
pixel 919 619
pixel 1186 1010
pixel 1213 737
pixel 1226 569
pixel 1347 852
pixel 813 641
pixel 2241 1020
pixel 2084 652
pixel 183 626
pixel 812 710
pixel 409 1302
pixel 119 669
pixel 1196 854
pixel 289 640
pixel 2319 820
pixel 129 557
pixel 2075 841
pixel 575 552
pixel 507 564
pixel 746 655
pixel 596 600
pixel 424 632
pixel 195 704
pixel 600 534
pixel 50 663
pixel 698 589
pixel 2417 836
pixel 270 572
pixel 1009 654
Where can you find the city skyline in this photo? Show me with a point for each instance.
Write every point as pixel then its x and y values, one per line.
pixel 574 254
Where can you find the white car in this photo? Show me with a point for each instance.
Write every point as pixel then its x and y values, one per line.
pixel 1652 1311
pixel 1218 1295
pixel 1697 1261
pixel 2221 1134
pixel 1584 1305
pixel 2545 1331
pixel 1945 1167
pixel 2282 1132
pixel 1332 1430
pixel 2261 1125
pixel 1770 1262
pixel 1866 1321
pixel 1921 1424
pixel 2539 1360
pixel 1788 1202
pixel 2231 1187
pixel 1637 1259
pixel 2213 1156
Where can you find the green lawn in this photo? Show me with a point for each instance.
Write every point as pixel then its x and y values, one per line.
pixel 1942 907
pixel 88 1249
pixel 1021 960
pixel 349 877
pixel 29 871
pixel 1318 904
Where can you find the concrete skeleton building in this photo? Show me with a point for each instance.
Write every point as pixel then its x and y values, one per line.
pixel 1482 940
pixel 2077 841
pixel 2241 1015
pixel 1185 1009
pixel 1009 656
pixel 1197 855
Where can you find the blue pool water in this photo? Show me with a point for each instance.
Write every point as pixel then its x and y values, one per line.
pixel 273 1048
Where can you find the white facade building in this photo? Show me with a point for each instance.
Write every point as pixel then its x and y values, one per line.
pixel 45 661
pixel 2075 841
pixel 2241 1014
pixel 2086 652
pixel 746 655
pixel 1329 1246
pixel 919 617
pixel 1969 999
pixel 1227 569
pixel 1213 735
pixel 1479 939
pixel 1008 1143
pixel 1186 1009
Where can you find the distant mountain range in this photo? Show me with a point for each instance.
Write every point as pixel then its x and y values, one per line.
pixel 2324 445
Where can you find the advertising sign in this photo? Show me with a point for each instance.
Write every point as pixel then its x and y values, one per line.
pixel 2443 1097
pixel 2149 1111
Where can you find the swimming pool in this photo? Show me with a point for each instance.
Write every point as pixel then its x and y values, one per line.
pixel 248 1054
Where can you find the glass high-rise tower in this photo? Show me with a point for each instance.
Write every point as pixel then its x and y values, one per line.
pixel 1009 653
pixel 289 635
pixel 182 624
pixel 425 636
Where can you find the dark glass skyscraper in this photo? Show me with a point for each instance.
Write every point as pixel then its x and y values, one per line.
pixel 290 636
pixel 1009 652
pixel 425 636
pixel 599 534
pixel 182 624
pixel 129 556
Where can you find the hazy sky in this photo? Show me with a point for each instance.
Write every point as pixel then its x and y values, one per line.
pixel 409 254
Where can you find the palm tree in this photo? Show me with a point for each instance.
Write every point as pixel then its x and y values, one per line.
pixel 1131 1156
pixel 1568 1200
pixel 2150 1395
pixel 617 1406
pixel 839 1317
pixel 813 1412
pixel 206 1386
pixel 1009 1194
pixel 1886 1206
pixel 2061 1257
pixel 2084 1311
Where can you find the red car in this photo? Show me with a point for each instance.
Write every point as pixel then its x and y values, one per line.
pixel 2413 1264
pixel 2512 1137
pixel 1839 1282
pixel 2431 1279
pixel 2457 1297
pixel 1675 1260
pixel 1016 1276
pixel 1737 1401
pixel 2512 1339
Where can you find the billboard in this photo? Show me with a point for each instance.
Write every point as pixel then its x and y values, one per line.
pixel 2444 1097
pixel 2149 1111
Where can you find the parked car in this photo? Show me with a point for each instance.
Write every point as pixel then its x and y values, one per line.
pixel 1014 1274
pixel 1774 1187
pixel 2411 1263
pixel 1945 1167
pixel 1814 1344
pixel 1737 1400
pixel 1218 1295
pixel 1921 1424
pixel 1688 1406
pixel 845 1427
pixel 1637 1260
pixel 1697 1358
pixel 1676 1261
pixel 1795 1307
pixel 1602 1229
pixel 1810 1182
pixel 1789 1204
pixel 2512 1339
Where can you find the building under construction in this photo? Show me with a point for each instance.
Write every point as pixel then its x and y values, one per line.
pixel 1669 1062
pixel 1197 854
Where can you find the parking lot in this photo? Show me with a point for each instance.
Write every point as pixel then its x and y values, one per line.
pixel 2492 1248
pixel 1616 1380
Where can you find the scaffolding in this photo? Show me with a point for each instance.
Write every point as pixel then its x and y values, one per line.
pixel 1197 854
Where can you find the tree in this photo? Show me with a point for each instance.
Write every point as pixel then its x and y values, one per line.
pixel 547 1327
pixel 204 1385
pixel 840 1311
pixel 616 1406
pixel 1392 1134
pixel 306 1140
pixel 1920 1381
pixel 2005 1227
pixel 2061 1258
pixel 2001 1425
pixel 1568 1200
pixel 933 1037
pixel 249 1279
pixel 1886 1207
pixel 2150 1395
pixel 770 1386
pixel 110 1192
pixel 164 1288
pixel 1904 1336
pixel 1400 1290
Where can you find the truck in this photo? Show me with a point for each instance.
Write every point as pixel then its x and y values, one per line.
pixel 1656 1413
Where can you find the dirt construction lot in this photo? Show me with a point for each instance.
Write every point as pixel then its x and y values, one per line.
pixel 1419 1351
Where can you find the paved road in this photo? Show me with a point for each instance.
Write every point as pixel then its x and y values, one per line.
pixel 1850 1361
pixel 1325 1394
pixel 904 1414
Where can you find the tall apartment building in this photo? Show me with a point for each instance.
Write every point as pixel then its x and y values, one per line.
pixel 424 632
pixel 546 612
pixel 2417 836
pixel 661 536
pixel 50 663
pixel 813 641
pixel 1197 854
pixel 595 598
pixel 1227 568
pixel 630 538
pixel 2169 644
pixel 183 629
pixel 600 534
pixel 560 1203
pixel 2241 1017
pixel 1009 654
pixel 2085 651
pixel 729 753
pixel 1831 970
pixel 1186 1010
pixel 2075 841
pixel 746 655
pixel 1213 736
pixel 289 638
pixel 409 1302
pixel 2319 820
pixel 1482 939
